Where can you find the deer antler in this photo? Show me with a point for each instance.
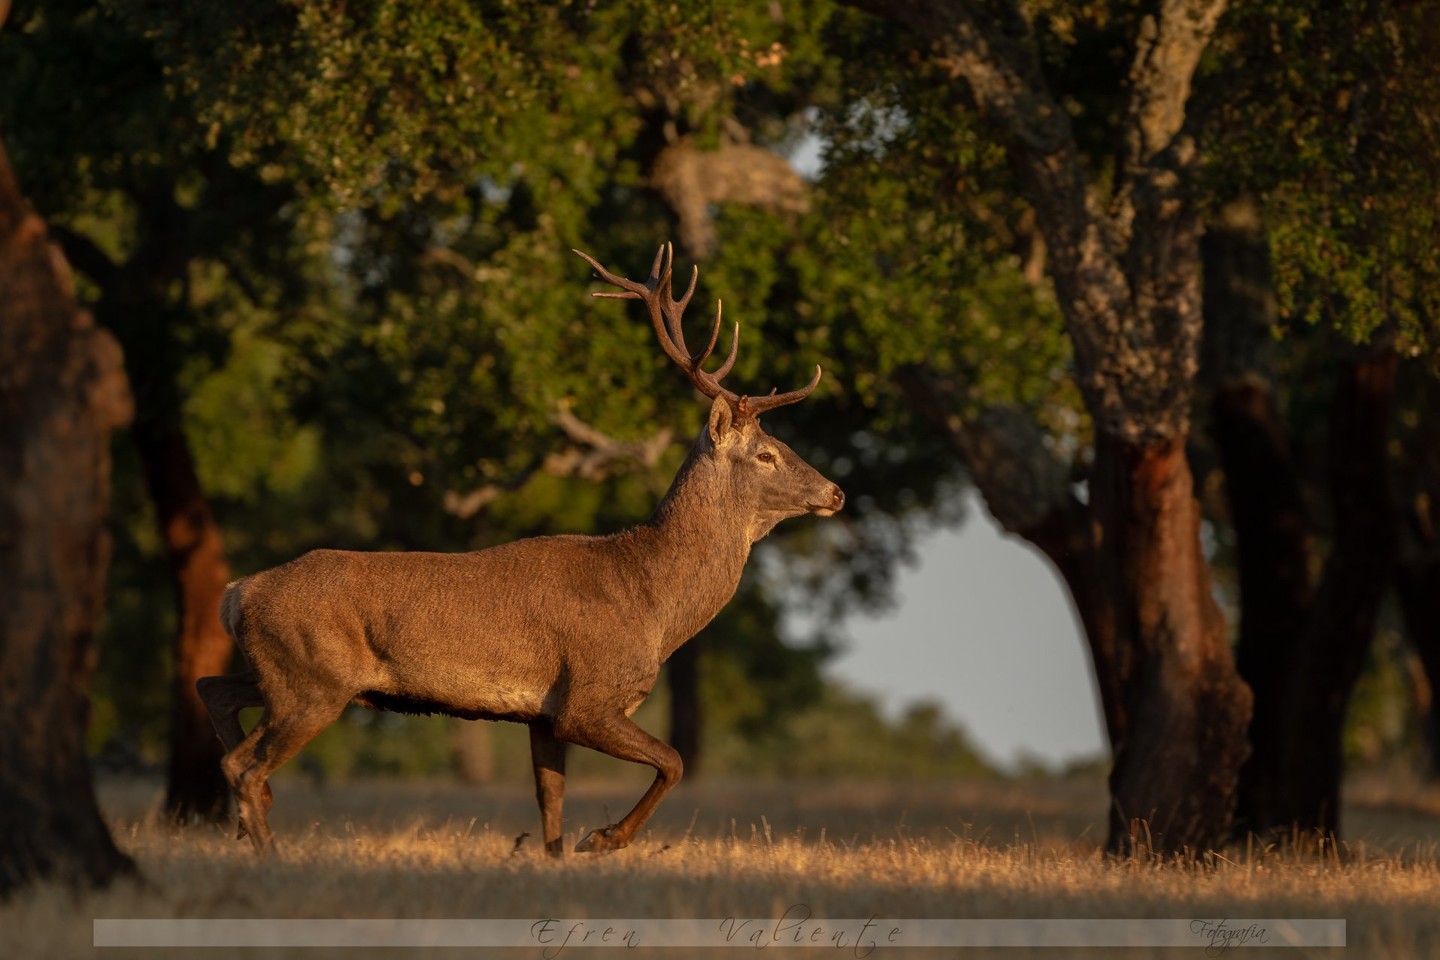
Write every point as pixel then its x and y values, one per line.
pixel 665 316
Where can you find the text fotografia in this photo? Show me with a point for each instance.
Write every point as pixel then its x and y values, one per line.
pixel 1221 936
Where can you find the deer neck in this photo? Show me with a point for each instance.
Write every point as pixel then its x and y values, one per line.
pixel 698 545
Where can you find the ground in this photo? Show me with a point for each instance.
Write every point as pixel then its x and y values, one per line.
pixel 715 850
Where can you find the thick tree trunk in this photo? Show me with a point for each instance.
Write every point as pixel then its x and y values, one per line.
pixel 62 391
pixel 686 715
pixel 1175 774
pixel 195 787
pixel 1262 488
pixel 1273 540
pixel 1342 618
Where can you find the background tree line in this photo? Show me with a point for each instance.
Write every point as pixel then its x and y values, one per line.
pixel 1158 279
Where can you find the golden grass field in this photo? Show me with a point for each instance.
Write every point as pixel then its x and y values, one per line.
pixel 982 850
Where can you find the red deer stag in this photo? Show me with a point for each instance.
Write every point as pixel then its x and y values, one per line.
pixel 563 633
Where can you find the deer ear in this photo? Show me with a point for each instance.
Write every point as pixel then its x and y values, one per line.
pixel 722 420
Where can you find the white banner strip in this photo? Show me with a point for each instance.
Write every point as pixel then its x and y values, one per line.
pixel 795 928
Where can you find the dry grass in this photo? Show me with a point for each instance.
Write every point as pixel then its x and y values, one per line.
pixel 716 850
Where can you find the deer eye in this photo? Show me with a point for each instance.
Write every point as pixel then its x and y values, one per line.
pixel 765 456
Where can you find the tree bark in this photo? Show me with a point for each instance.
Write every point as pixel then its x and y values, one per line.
pixel 195 787
pixel 1302 647
pixel 1174 779
pixel 62 390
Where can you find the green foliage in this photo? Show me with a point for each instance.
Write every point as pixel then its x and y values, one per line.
pixel 1382 723
pixel 845 735
pixel 1330 112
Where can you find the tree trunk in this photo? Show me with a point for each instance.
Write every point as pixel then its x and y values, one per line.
pixel 62 391
pixel 195 787
pixel 135 306
pixel 1262 489
pixel 1342 618
pixel 1273 540
pixel 1173 783
pixel 1126 271
pixel 686 715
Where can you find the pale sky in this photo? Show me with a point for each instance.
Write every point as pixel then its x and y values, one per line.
pixel 984 627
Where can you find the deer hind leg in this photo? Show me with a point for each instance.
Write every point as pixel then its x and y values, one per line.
pixel 547 754
pixel 279 735
pixel 621 738
pixel 224 698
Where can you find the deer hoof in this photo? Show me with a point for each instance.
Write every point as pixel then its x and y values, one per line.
pixel 599 841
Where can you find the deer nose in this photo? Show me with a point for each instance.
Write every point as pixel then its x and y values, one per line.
pixel 827 505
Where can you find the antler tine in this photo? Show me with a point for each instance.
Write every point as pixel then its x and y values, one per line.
pixel 749 406
pixel 655 267
pixel 704 355
pixel 633 290
pixel 684 301
pixel 734 345
pixel 665 316
pixel 675 311
pixel 672 310
pixel 646 292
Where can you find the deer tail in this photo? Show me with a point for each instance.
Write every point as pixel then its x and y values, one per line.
pixel 230 606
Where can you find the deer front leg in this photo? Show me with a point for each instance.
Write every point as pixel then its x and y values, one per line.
pixel 621 738
pixel 547 754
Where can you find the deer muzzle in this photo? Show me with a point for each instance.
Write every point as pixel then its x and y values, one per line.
pixel 832 506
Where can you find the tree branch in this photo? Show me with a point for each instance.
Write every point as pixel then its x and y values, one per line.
pixel 1020 477
pixel 693 180
pixel 996 54
pixel 1166 55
